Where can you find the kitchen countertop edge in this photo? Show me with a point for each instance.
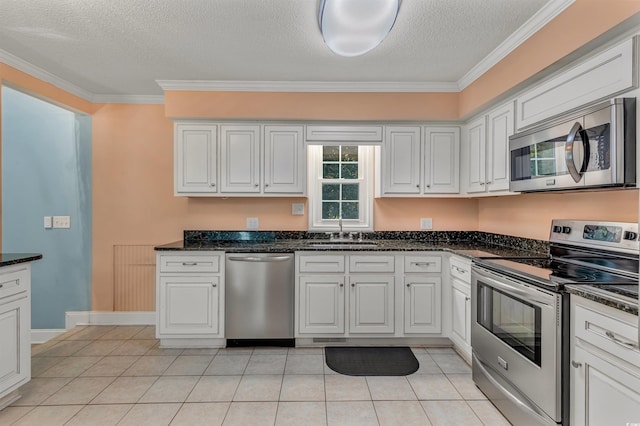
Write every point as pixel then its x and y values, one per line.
pixel 7 259
pixel 603 297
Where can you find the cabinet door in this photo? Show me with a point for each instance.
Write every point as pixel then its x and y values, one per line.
pixel 422 304
pixel 371 304
pixel 240 155
pixel 401 160
pixel 196 153
pixel 441 160
pixel 476 155
pixel 461 314
pixel 15 354
pixel 189 305
pixel 602 393
pixel 321 304
pixel 285 165
pixel 499 129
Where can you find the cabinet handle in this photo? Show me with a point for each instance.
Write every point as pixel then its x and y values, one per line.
pixel 213 184
pixel 189 263
pixel 418 186
pixel 488 182
pixel 428 186
pixel 341 285
pixel 353 285
pixel 423 263
pixel 624 344
pixel 576 364
pixel 482 183
pixel 467 298
pixel 266 184
pixel 256 185
pixel 214 285
pixel 409 285
pixel 1 285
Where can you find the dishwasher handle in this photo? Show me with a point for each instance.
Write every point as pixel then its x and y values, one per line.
pixel 258 259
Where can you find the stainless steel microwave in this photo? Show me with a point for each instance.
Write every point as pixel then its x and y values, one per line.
pixel 590 148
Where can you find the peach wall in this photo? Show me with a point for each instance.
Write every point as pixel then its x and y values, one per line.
pixel 529 215
pixel 580 23
pixel 312 106
pixel 403 214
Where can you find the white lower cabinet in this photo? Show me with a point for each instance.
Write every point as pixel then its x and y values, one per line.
pixel 460 273
pixel 368 294
pixel 15 330
pixel 422 304
pixel 190 299
pixel 321 304
pixel 605 365
pixel 371 304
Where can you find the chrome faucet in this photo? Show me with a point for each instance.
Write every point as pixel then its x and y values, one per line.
pixel 341 234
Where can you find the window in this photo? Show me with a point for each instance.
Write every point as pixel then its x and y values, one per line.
pixel 340 186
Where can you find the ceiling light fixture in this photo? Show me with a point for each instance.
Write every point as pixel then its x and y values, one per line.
pixel 354 27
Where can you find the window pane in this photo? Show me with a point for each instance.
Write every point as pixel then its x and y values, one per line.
pixel 350 210
pixel 350 171
pixel 350 191
pixel 330 191
pixel 330 210
pixel 349 153
pixel 330 171
pixel 330 153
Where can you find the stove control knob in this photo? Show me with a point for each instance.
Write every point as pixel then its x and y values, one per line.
pixel 557 229
pixel 628 235
pixel 566 230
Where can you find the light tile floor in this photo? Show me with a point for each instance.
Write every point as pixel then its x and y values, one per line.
pixel 104 375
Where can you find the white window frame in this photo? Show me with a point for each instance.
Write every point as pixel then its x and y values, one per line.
pixel 366 195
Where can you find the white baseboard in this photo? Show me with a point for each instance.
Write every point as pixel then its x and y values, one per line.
pixel 40 335
pixel 109 318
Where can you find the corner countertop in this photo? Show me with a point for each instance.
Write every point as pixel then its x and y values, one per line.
pixel 7 259
pixel 604 296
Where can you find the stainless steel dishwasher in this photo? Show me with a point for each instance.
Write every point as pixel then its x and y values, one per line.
pixel 259 290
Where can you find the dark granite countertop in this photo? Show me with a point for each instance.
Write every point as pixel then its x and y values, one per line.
pixel 7 259
pixel 604 296
pixel 469 249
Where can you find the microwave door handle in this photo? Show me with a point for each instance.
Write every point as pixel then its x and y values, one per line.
pixel 568 153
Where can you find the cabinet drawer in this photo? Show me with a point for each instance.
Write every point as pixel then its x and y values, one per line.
pixel 198 263
pixel 609 334
pixel 422 264
pixel 321 263
pixel 371 263
pixel 13 282
pixel 460 269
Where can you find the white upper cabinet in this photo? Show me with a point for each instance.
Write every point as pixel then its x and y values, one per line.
pixel 597 78
pixel 500 127
pixel 196 157
pixel 441 160
pixel 240 159
pixel 401 160
pixel 284 160
pixel 414 166
pixel 487 151
pixel 245 160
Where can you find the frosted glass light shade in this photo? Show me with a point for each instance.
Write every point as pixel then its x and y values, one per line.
pixel 354 27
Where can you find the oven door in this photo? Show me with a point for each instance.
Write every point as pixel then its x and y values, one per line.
pixel 516 339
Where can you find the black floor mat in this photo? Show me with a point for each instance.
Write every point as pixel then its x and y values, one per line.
pixel 371 361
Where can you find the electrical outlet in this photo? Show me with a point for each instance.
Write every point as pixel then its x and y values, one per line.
pixel 426 223
pixel 253 223
pixel 48 222
pixel 297 209
pixel 62 221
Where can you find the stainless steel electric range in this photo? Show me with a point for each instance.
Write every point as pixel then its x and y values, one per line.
pixel 520 315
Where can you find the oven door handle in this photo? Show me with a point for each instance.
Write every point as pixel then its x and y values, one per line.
pixel 543 419
pixel 529 296
pixel 568 152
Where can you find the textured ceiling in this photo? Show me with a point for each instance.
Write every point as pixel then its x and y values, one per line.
pixel 120 47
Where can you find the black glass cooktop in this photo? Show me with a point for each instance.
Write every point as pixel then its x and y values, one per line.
pixel 555 274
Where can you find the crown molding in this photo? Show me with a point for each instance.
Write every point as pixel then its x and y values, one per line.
pixel 548 12
pixel 305 86
pixel 37 72
pixel 129 99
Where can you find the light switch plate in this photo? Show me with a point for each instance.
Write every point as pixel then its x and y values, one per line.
pixel 297 209
pixel 62 221
pixel 426 223
pixel 48 222
pixel 253 223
